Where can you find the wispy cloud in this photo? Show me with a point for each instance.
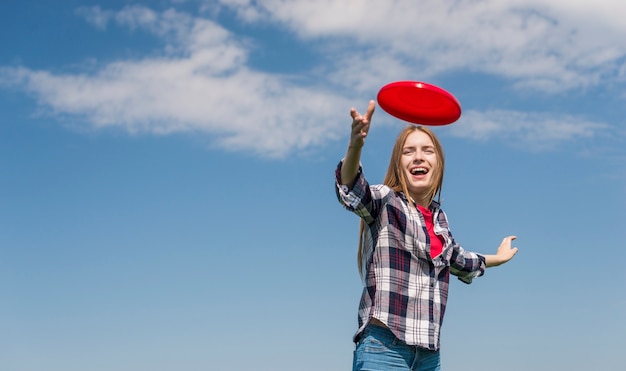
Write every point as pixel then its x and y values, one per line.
pixel 534 131
pixel 202 80
pixel 546 45
pixel 204 87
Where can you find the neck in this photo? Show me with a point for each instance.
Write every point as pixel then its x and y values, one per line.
pixel 422 201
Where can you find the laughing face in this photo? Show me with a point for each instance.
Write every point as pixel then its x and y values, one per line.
pixel 419 163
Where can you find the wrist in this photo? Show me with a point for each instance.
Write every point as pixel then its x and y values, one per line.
pixel 493 261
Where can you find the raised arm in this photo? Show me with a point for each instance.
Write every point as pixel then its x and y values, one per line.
pixel 360 128
pixel 504 254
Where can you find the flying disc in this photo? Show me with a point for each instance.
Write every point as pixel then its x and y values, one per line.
pixel 419 103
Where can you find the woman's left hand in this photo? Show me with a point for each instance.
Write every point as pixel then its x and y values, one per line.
pixel 505 251
pixel 504 254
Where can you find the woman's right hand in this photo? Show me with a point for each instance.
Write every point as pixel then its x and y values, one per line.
pixel 361 125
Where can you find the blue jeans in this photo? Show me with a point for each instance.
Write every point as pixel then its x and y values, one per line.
pixel 379 350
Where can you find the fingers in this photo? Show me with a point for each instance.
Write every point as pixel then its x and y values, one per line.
pixel 371 107
pixel 506 248
pixel 508 239
pixel 354 113
pixel 361 124
pixel 359 129
pixel 370 110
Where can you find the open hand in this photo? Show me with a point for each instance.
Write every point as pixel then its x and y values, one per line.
pixel 504 254
pixel 505 251
pixel 361 125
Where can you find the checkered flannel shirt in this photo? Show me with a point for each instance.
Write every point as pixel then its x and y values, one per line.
pixel 404 287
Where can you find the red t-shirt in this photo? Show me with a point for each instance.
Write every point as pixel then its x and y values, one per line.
pixel 436 241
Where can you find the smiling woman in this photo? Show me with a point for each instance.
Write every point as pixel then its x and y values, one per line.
pixel 164 166
pixel 406 250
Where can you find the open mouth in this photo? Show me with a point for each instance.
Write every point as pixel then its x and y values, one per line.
pixel 419 171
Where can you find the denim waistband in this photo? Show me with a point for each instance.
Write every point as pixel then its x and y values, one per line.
pixel 379 332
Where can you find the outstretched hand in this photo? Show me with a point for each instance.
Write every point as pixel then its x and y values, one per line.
pixel 504 254
pixel 505 251
pixel 361 125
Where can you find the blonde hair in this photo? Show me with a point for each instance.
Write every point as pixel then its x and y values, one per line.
pixel 396 177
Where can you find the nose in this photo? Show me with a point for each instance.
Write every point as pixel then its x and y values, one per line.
pixel 418 156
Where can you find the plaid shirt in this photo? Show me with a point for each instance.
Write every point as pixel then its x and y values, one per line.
pixel 405 288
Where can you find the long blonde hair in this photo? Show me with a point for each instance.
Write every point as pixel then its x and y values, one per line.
pixel 396 177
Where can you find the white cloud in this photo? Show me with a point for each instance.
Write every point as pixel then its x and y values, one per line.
pixel 246 112
pixel 201 81
pixel 134 16
pixel 206 88
pixel 548 45
pixel 534 131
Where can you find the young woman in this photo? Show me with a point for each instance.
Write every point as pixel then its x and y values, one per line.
pixel 406 250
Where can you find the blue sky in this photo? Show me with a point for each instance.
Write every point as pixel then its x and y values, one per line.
pixel 166 179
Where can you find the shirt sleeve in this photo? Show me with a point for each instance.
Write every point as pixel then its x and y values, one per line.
pixel 466 265
pixel 356 197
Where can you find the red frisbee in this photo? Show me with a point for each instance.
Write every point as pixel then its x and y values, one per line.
pixel 419 103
